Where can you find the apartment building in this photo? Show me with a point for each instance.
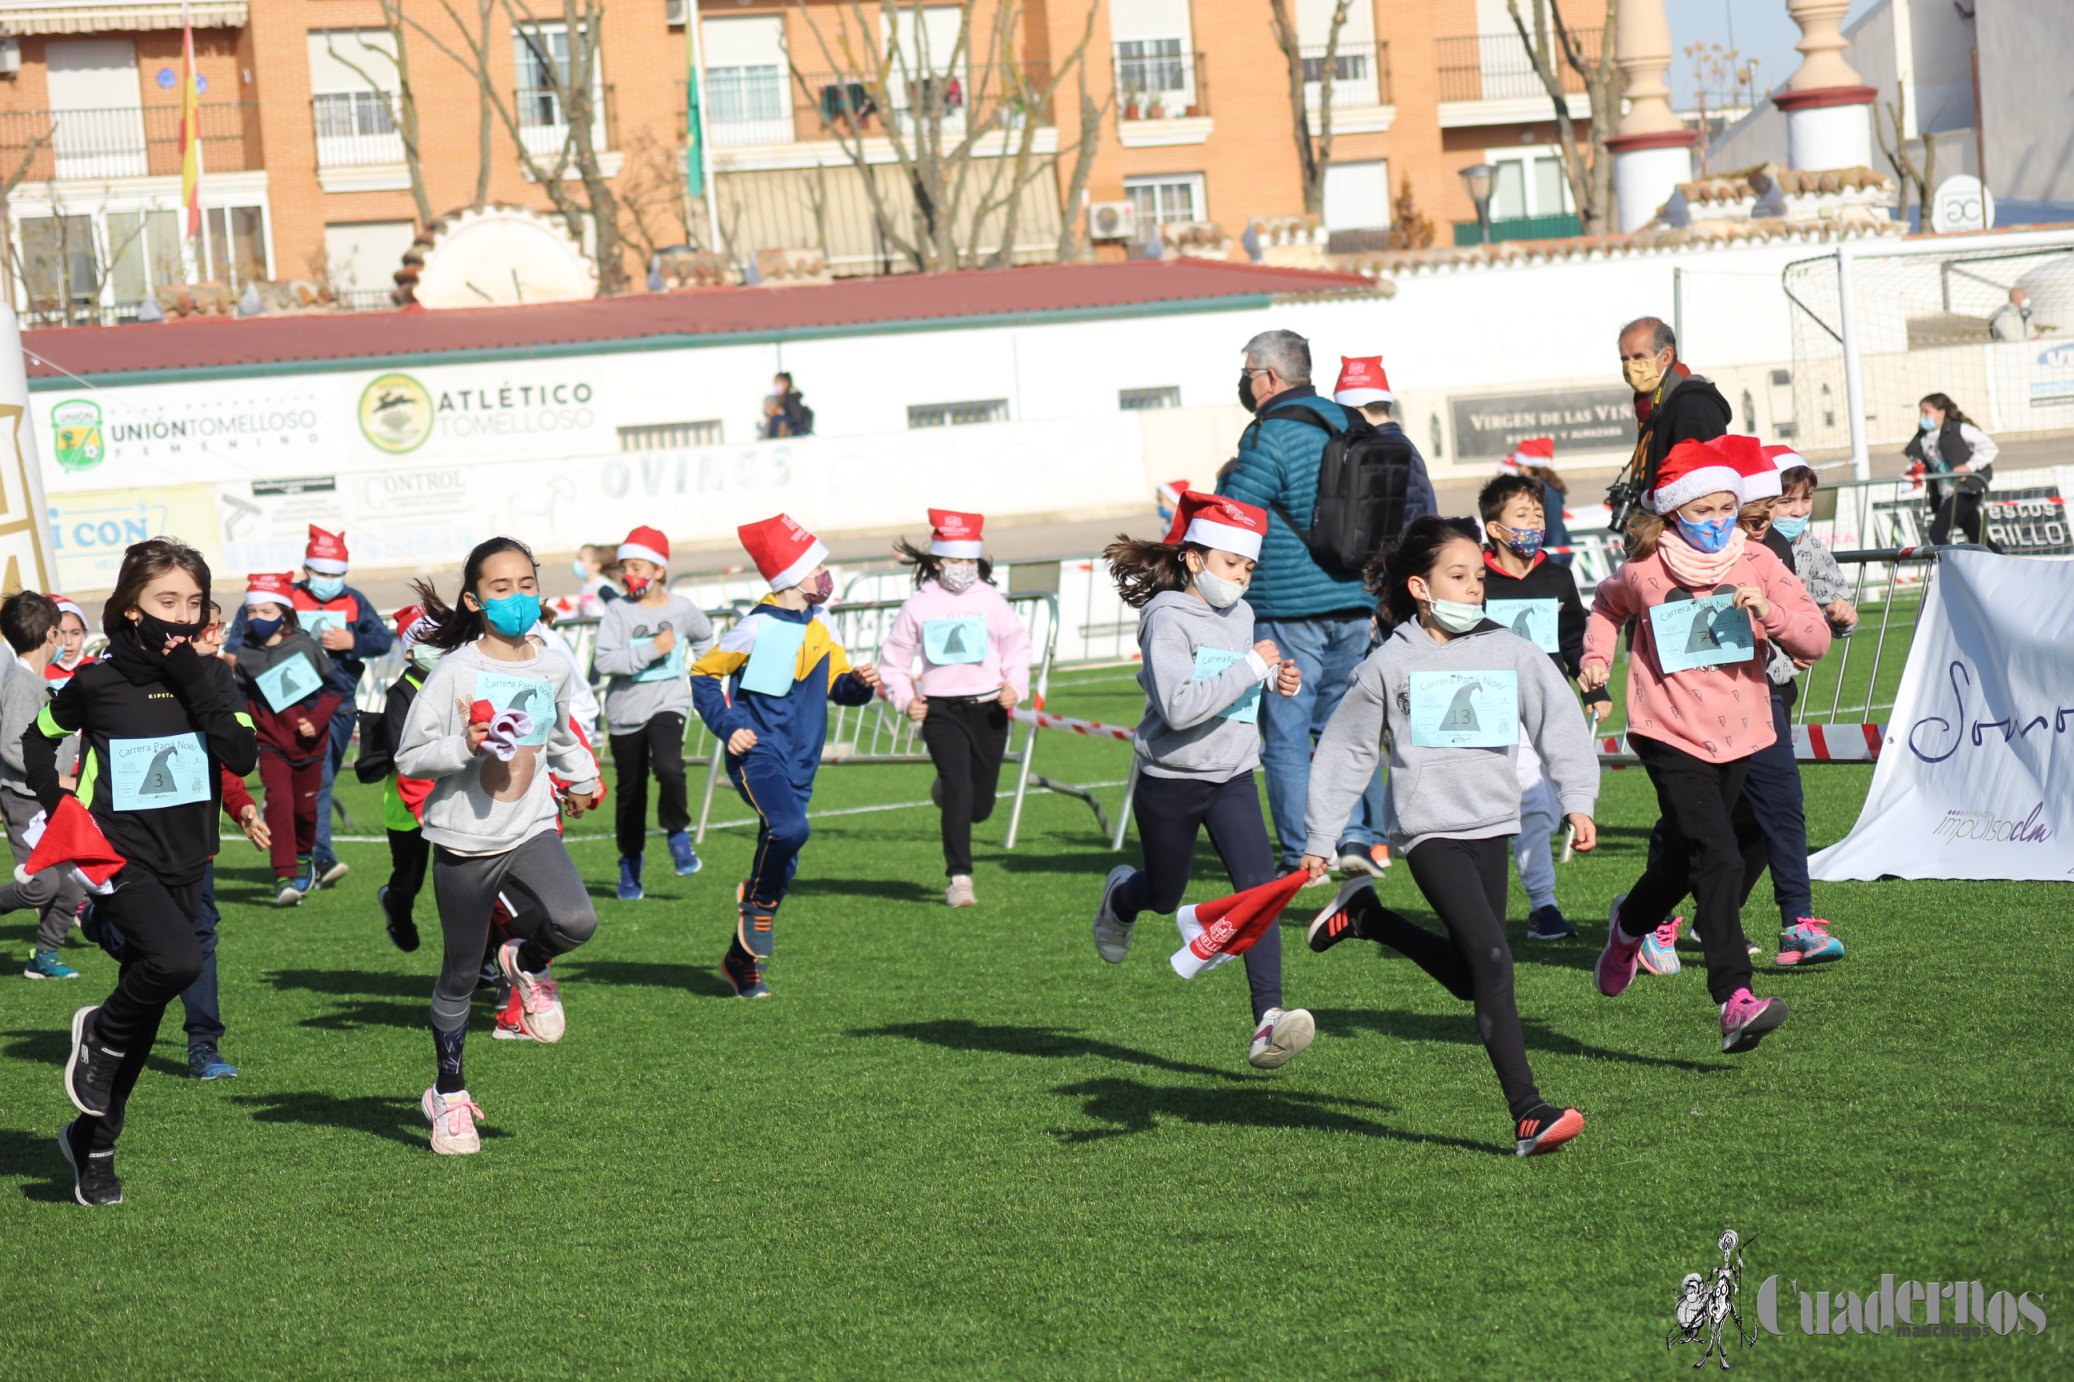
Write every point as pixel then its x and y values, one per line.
pixel 305 175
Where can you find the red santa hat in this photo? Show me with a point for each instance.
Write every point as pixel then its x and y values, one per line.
pixel 71 839
pixel 783 551
pixel 1532 451
pixel 649 544
pixel 67 605
pixel 1210 520
pixel 326 554
pixel 1362 381
pixel 956 535
pixel 411 625
pixel 1170 494
pixel 270 588
pixel 1692 469
pixel 1213 932
pixel 1785 458
pixel 1760 477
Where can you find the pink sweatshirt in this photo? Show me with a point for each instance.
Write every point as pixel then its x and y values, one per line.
pixel 1006 657
pixel 1714 713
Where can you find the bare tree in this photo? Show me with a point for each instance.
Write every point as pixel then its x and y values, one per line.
pixel 1313 148
pixel 1713 69
pixel 651 196
pixel 1554 46
pixel 962 133
pixel 1898 157
pixel 36 143
pixel 70 301
pixel 589 209
pixel 403 103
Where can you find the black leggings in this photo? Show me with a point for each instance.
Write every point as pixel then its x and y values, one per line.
pixel 409 855
pixel 1956 503
pixel 1170 811
pixel 161 956
pixel 657 747
pixel 1463 881
pixel 1707 844
pixel 967 740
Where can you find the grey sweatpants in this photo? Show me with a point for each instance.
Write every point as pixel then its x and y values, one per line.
pixel 54 893
pixel 466 887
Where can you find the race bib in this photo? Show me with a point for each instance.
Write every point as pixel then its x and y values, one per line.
pixel 315 621
pixel 959 639
pixel 1533 620
pixel 1209 662
pixel 774 661
pixel 531 694
pixel 1465 710
pixel 1705 632
pixel 668 667
pixel 287 682
pixel 146 774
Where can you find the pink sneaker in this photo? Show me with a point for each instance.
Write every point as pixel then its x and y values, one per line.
pixel 1616 967
pixel 1808 942
pixel 453 1122
pixel 540 998
pixel 1745 1019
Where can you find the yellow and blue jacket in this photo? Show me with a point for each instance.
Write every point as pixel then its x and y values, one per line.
pixel 793 726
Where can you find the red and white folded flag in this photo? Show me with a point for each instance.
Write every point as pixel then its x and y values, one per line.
pixel 71 839
pixel 1212 932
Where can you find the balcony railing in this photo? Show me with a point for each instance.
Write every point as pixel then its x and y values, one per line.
pixel 1159 86
pixel 129 141
pixel 769 105
pixel 1360 73
pixel 544 127
pixel 1499 67
pixel 355 128
pixel 1558 227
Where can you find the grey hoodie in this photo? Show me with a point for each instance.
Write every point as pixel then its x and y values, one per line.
pixel 640 683
pixel 1185 732
pixel 1456 793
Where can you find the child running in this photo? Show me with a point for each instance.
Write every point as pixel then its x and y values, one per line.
pixel 1450 692
pixel 291 693
pixel 975 670
pixel 1698 709
pixel 488 726
pixel 1199 742
pixel 1535 598
pixel 71 653
pixel 645 642
pixel 30 624
pixel 763 691
pixel 403 798
pixel 159 723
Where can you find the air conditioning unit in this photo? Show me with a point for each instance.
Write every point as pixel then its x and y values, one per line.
pixel 1112 221
pixel 10 57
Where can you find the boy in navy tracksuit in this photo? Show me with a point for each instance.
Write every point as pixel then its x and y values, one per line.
pixel 764 691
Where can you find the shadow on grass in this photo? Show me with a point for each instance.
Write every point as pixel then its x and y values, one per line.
pixel 376 1000
pixel 892 889
pixel 1130 1106
pixel 696 979
pixel 1461 1030
pixel 394 1118
pixel 41 1045
pixel 1046 1043
pixel 35 1158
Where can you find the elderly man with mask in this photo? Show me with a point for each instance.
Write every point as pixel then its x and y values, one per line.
pixel 1672 404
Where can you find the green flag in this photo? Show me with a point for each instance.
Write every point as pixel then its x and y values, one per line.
pixel 694 160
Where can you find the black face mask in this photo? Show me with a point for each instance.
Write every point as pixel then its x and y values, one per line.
pixel 1246 393
pixel 152 633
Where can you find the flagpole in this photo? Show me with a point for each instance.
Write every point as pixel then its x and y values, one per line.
pixel 696 125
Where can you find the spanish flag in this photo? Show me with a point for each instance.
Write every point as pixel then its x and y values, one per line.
pixel 190 130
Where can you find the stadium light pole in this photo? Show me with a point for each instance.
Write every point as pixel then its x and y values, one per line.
pixel 1854 367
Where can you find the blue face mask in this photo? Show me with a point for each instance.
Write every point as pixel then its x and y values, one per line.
pixel 1790 528
pixel 582 572
pixel 513 615
pixel 261 630
pixel 327 587
pixel 1526 542
pixel 1927 423
pixel 1710 536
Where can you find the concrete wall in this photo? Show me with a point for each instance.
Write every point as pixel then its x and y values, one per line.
pixel 2027 103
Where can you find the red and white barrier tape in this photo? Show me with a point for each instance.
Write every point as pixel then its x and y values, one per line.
pixel 1044 719
pixel 1811 744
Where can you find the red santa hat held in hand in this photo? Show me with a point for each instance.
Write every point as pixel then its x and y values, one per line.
pixel 649 544
pixel 1212 932
pixel 1361 382
pixel 1532 451
pixel 1210 520
pixel 326 554
pixel 783 551
pixel 1694 469
pixel 71 839
pixel 270 588
pixel 956 535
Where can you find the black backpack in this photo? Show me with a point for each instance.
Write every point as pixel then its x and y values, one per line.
pixel 1364 483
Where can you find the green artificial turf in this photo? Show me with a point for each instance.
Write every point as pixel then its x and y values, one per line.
pixel 955 1144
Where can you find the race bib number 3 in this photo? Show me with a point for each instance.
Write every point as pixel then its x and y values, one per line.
pixel 954 641
pixel 1705 632
pixel 530 694
pixel 1533 620
pixel 1465 710
pixel 287 682
pixel 668 667
pixel 147 774
pixel 1210 662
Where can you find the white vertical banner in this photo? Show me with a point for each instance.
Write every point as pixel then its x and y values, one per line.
pixel 26 561
pixel 1976 777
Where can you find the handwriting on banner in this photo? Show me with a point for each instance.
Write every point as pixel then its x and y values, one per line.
pixel 2012 726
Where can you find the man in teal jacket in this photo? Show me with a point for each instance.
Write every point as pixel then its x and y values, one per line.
pixel 1320 618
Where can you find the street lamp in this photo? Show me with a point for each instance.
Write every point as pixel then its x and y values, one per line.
pixel 1476 180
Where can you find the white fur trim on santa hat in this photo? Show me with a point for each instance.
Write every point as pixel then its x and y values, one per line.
pixel 797 572
pixel 1224 537
pixel 68 606
pixel 267 597
pixel 1361 398
pixel 957 551
pixel 324 566
pixel 642 551
pixel 1694 484
pixel 1188 960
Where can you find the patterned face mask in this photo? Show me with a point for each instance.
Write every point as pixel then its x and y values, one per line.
pixel 957 576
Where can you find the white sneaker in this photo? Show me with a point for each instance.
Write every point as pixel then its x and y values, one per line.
pixel 540 998
pixel 959 893
pixel 452 1117
pixel 1112 936
pixel 1281 1038
pixel 289 896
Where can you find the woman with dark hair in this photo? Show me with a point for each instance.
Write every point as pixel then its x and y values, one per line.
pixel 159 721
pixel 1958 460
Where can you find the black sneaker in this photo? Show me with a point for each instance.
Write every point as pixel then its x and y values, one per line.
pixel 1342 917
pixel 93 1173
pixel 1545 1129
pixel 403 932
pixel 90 1069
